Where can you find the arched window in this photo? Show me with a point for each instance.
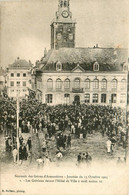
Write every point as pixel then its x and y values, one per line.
pixel 77 83
pixel 96 84
pixel 65 3
pixel 58 66
pixel 67 84
pixel 87 84
pixel 95 98
pixel 125 67
pixel 114 84
pixel 58 84
pixel 49 83
pixel 96 66
pixel 61 3
pixel 104 84
pixel 123 84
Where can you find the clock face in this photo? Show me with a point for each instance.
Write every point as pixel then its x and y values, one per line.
pixel 59 36
pixel 65 14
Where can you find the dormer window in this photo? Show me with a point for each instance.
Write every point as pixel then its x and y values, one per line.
pixel 96 66
pixel 58 66
pixel 125 67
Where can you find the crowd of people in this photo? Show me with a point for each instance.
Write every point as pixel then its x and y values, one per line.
pixel 84 158
pixel 64 122
pixel 23 152
pixel 63 141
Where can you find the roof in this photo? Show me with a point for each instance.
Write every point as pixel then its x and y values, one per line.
pixel 109 59
pixel 20 63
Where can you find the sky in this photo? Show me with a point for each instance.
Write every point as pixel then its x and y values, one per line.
pixel 25 26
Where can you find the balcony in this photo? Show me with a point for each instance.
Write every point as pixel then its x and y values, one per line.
pixel 77 90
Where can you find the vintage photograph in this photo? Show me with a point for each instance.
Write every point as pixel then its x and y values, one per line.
pixel 64 87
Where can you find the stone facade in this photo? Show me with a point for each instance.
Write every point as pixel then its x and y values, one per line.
pixel 19 78
pixel 2 79
pixel 63 27
pixel 67 75
pixel 92 88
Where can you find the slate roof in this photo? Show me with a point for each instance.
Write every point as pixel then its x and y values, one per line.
pixel 109 59
pixel 20 63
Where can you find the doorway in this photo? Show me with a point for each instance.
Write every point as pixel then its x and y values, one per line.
pixel 77 99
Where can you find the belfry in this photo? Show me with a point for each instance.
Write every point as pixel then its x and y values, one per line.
pixel 68 74
pixel 63 27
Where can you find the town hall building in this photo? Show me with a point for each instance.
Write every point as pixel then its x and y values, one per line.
pixel 67 74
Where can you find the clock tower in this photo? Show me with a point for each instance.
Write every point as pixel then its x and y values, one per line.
pixel 63 27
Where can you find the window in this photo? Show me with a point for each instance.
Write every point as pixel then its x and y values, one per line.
pixel 18 74
pixel 49 98
pixel 123 84
pixel 1 82
pixel 12 91
pixel 95 98
pixel 58 66
pixel 12 74
pixel 125 67
pixel 113 98
pixel 77 83
pixel 65 3
pixel 12 83
pixel 49 83
pixel 66 98
pixel 87 98
pixel 18 83
pixel 96 66
pixel 24 74
pixel 96 84
pixel 67 84
pixel 122 98
pixel 104 84
pixel 58 84
pixel 114 84
pixel 24 83
pixel 103 98
pixel 87 84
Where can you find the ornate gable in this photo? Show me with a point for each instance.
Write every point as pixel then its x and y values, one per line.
pixel 78 68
